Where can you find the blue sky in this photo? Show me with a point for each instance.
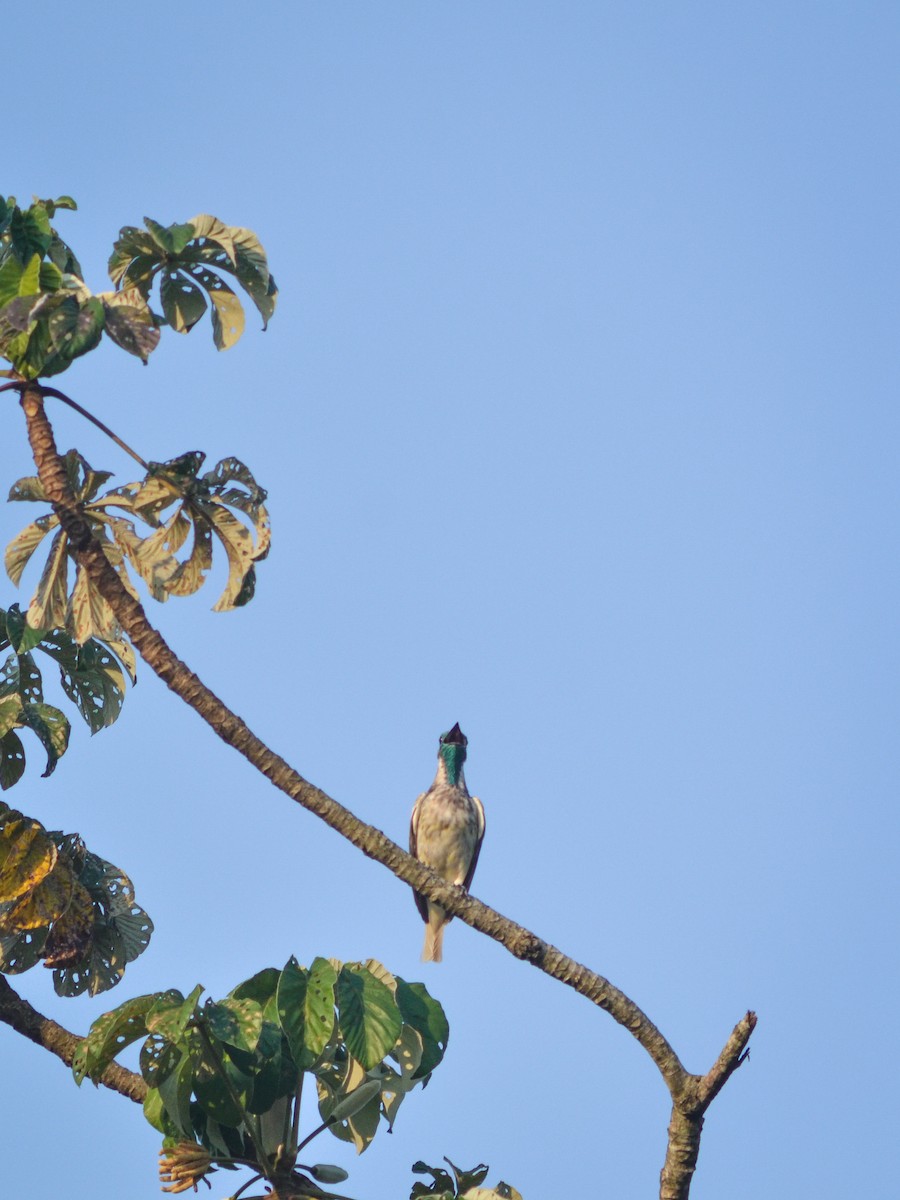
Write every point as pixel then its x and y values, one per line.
pixel 578 418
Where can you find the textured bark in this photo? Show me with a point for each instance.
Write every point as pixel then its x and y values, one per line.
pixel 374 844
pixel 19 1014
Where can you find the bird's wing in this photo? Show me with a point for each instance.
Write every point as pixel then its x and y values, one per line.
pixel 479 838
pixel 421 902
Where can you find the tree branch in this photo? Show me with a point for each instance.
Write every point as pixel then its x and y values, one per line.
pixel 19 1015
pixel 373 843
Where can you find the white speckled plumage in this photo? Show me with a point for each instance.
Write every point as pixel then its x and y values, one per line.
pixel 445 833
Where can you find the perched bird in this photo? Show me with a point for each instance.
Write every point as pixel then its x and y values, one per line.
pixel 445 834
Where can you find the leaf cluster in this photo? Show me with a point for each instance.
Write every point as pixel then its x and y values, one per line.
pixel 49 317
pixel 460 1185
pixel 62 904
pixel 92 677
pixel 227 1074
pixel 174 501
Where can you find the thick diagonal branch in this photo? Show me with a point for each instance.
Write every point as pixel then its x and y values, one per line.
pixel 373 843
pixel 18 1013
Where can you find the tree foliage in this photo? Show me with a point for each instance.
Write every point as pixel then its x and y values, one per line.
pixel 49 316
pixel 223 1079
pixel 227 1075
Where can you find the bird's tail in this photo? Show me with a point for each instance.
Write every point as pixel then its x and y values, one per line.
pixel 432 951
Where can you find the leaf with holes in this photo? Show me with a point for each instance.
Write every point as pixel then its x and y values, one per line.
pixel 110 1034
pixel 172 1013
pixel 20 952
pixel 183 303
pixel 191 254
pixel 238 1023
pixel 52 730
pixel 12 760
pixel 424 1014
pixel 20 675
pixel 27 855
pixel 19 634
pixel 132 327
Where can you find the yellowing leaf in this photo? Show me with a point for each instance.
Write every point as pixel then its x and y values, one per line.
pixel 42 904
pixel 27 856
pixel 48 604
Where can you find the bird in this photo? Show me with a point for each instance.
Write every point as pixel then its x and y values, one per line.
pixel 445 833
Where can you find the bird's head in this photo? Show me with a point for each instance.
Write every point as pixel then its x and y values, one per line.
pixel 452 752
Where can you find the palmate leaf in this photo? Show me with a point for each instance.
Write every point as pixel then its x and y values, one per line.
pixel 48 317
pixel 188 260
pixel 65 905
pixel 47 722
pixel 175 500
pixel 202 501
pixel 92 676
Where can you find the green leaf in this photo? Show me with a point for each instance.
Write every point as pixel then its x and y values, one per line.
pixel 22 637
pixel 132 328
pixel 20 676
pixel 101 968
pixel 260 987
pixel 291 1002
pixel 76 328
pixel 95 683
pixel 52 730
pixel 155 1113
pixel 110 1034
pixel 158 1059
pixel 215 1099
pixel 170 239
pixel 236 1022
pixel 30 231
pixel 319 1006
pixel 29 487
pixel 172 1014
pixel 369 1019
pixel 426 1016
pixel 183 302
pixel 175 1092
pixel 12 760
pixel 10 277
pixel 20 952
pixel 30 279
pixel 305 1002
pixel 442 1182
pixel 227 313
pixel 468 1179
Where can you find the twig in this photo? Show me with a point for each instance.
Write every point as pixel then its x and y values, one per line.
pixel 691 1094
pixel 19 1014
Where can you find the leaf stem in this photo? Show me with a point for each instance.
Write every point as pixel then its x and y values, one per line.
pixel 295 1123
pixel 50 391
pixel 216 1059
pixel 315 1133
pixel 244 1186
pixel 58 395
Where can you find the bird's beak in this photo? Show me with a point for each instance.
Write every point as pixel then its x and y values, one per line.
pixel 455 737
